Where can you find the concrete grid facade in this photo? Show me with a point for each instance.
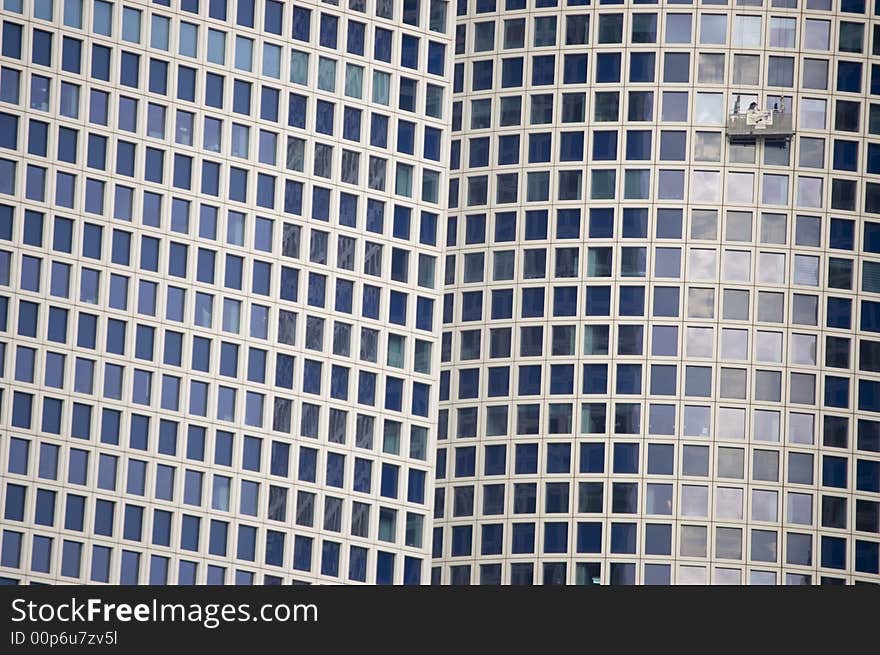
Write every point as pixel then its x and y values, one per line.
pixel 220 225
pixel 407 292
pixel 659 357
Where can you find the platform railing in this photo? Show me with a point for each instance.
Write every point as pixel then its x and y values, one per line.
pixel 759 123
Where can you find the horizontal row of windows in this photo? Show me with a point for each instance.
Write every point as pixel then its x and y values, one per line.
pixel 214 91
pixel 187 33
pixel 625 458
pixel 58 322
pixel 533 302
pixel 207 268
pixel 694 499
pixel 105 561
pixel 206 309
pixel 669 223
pixel 622 573
pixel 269 14
pixel 225 358
pixel 626 418
pixel 221 448
pixel 247 12
pixel 31 273
pixel 698 342
pixel 645 27
pixel 97 151
pixel 155 121
pixel 210 223
pixel 236 184
pixel 225 403
pixel 623 539
pixel 71 57
pixel 543 71
pixel 675 105
pixel 704 186
pixel 490 6
pixel 664 145
pixel 665 262
pixel 658 501
pixel 732 383
pixel 191 486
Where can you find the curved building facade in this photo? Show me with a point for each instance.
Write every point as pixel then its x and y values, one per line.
pixel 220 312
pixel 660 341
pixel 411 291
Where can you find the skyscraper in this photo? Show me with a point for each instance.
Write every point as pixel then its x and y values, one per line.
pixel 298 292
pixel 219 226
pixel 660 339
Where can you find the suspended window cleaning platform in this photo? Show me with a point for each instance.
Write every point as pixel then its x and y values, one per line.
pixel 756 123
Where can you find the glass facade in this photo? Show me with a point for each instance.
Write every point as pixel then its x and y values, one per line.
pixel 660 337
pixel 413 291
pixel 220 295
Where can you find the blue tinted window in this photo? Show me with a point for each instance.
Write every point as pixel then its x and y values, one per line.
pixel 505 225
pixel 523 538
pixel 543 69
pixel 508 149
pixel 575 69
pixel 833 552
pixel 608 67
pixel 834 471
pixel 301 23
pixel 409 51
pixel 598 301
pixel 849 76
pixel 841 234
pixel 595 378
pixel 382 44
pixel 11 40
pixel 539 151
pixel 601 222
pixel 846 155
pixel 532 302
pixel 867 556
pixel 129 72
pixel 589 537
pixel 536 224
pixel 526 460
pixel 869 395
pixel 873 157
pixel 641 67
pixel 638 144
pixel 571 146
pixel 388 486
pixel 605 145
pixel 362 475
pixel 632 301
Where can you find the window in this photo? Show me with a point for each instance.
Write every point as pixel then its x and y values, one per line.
pixel 780 71
pixel 644 28
pixel 713 29
pixel 817 34
pixel 710 68
pixel 783 32
pixel 678 28
pixel 815 74
pixel 747 31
